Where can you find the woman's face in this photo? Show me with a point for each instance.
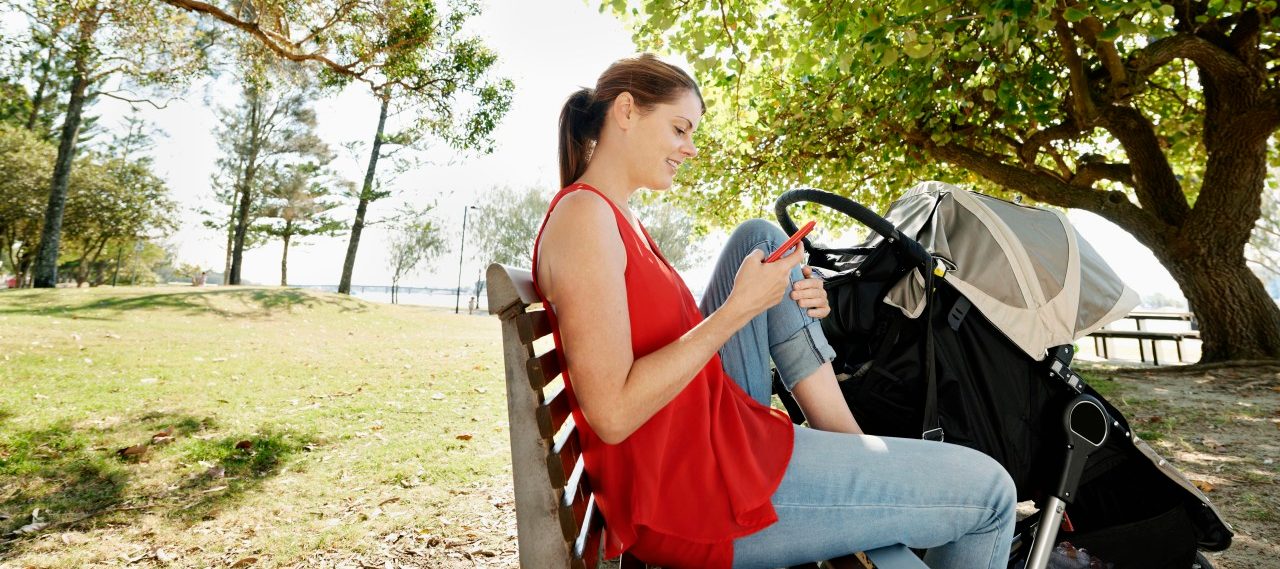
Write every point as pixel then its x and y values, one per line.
pixel 663 140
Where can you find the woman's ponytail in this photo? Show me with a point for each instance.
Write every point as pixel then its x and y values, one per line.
pixel 580 121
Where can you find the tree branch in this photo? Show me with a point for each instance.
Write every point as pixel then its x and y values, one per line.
pixel 1211 58
pixel 1153 180
pixel 1028 150
pixel 136 101
pixel 1087 174
pixel 281 45
pixel 1090 27
pixel 1082 107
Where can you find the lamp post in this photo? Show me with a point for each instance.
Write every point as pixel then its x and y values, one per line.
pixel 457 299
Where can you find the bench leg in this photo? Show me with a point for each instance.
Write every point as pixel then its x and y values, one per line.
pixel 1179 344
pixel 1155 354
pixel 1142 351
pixel 1106 354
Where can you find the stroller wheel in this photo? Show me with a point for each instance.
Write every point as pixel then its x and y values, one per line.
pixel 1201 561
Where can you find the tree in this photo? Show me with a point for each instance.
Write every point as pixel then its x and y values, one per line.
pixel 115 202
pixel 130 40
pixel 25 161
pixel 674 231
pixel 1154 115
pixel 298 204
pixel 507 223
pixel 273 122
pixel 415 240
pixel 413 55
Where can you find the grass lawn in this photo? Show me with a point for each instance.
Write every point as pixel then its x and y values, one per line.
pixel 269 427
pixel 260 426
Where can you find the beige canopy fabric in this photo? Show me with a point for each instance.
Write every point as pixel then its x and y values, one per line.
pixel 1025 268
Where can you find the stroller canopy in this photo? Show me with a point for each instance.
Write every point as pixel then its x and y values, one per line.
pixel 1025 268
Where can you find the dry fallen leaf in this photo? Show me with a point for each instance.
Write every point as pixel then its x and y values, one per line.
pixel 244 445
pixel 1202 485
pixel 133 451
pixel 464 437
pixel 247 561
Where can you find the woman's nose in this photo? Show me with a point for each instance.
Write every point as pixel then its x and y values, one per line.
pixel 689 150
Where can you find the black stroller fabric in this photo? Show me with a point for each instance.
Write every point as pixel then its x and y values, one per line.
pixel 993 397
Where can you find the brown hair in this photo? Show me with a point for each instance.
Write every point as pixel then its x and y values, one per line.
pixel 649 80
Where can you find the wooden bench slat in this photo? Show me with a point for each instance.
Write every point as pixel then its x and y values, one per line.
pixel 563 456
pixel 575 479
pixel 542 369
pixel 533 326
pixel 553 412
pixel 582 546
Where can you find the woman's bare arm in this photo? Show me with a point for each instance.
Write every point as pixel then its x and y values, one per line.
pixel 581 264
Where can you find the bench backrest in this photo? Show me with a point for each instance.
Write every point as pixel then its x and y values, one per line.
pixel 556 518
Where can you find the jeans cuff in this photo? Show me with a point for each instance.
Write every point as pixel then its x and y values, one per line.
pixel 797 356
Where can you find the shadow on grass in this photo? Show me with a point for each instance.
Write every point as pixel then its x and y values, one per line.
pixel 230 302
pixel 67 473
pixel 238 466
pixel 53 469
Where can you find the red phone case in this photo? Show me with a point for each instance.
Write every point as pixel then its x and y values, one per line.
pixel 792 242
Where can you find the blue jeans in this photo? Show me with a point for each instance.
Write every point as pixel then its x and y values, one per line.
pixel 845 493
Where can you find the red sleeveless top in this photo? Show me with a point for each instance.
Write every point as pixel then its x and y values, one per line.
pixel 702 470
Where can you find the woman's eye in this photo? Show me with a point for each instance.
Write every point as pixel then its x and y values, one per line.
pixel 679 131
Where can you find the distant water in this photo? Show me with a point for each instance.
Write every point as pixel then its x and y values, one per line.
pixel 411 295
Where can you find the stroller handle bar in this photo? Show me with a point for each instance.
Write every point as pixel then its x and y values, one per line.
pixel 855 210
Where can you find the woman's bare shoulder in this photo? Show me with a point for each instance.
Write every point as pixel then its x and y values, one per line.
pixel 581 233
pixel 580 216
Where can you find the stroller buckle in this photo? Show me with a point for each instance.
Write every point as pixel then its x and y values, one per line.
pixel 934 434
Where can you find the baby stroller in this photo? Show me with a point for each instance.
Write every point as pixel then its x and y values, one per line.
pixel 955 321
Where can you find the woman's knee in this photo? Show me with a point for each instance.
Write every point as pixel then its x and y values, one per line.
pixel 754 232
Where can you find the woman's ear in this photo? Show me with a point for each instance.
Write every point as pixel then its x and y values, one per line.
pixel 623 111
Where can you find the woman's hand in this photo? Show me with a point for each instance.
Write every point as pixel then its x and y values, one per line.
pixel 810 294
pixel 759 286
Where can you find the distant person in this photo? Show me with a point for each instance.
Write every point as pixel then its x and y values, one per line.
pixel 471 305
pixel 691 466
pixel 198 280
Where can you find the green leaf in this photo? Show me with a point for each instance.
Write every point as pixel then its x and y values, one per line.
pixel 1110 33
pixel 918 50
pixel 1074 14
pixel 989 95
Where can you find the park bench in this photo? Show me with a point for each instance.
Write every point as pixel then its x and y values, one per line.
pixel 557 522
pixel 1176 336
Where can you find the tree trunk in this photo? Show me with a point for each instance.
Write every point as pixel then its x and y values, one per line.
pixel 1238 320
pixel 231 236
pixel 46 269
pixel 246 189
pixel 284 257
pixel 366 192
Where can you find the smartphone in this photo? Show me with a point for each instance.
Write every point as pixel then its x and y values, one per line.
pixel 792 242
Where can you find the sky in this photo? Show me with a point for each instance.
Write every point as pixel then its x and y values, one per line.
pixel 549 49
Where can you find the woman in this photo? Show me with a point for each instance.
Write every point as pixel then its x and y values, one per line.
pixel 691 467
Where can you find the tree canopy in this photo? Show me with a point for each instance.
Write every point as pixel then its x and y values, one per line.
pixel 1156 115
